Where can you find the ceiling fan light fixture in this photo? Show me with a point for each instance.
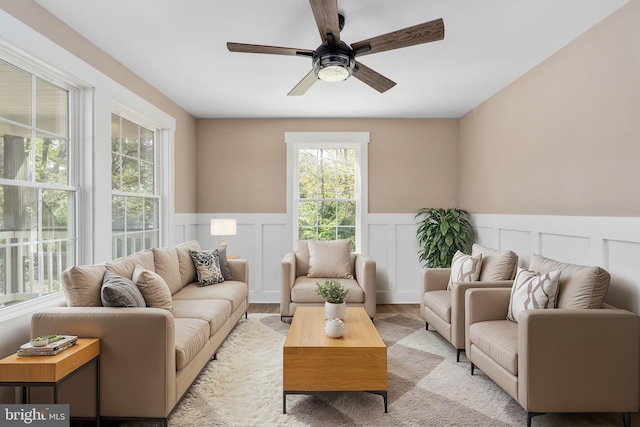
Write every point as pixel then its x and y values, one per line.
pixel 333 63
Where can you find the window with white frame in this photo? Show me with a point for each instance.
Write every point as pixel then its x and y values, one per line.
pixel 38 192
pixel 327 185
pixel 135 200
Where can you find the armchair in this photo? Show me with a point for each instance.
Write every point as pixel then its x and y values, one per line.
pixel 443 308
pixel 575 358
pixel 302 269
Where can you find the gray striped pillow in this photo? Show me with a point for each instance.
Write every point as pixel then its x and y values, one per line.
pixel 118 291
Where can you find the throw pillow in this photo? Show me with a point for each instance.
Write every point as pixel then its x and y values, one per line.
pixel 331 259
pixel 532 291
pixel 464 268
pixel 224 264
pixel 207 267
pixel 496 264
pixel 154 288
pixel 118 291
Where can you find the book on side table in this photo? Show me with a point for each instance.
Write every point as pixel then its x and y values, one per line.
pixel 55 344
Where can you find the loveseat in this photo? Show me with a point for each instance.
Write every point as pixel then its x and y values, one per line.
pixel 149 356
pixel 570 354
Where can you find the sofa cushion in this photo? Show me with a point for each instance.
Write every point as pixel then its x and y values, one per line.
pixel 82 285
pixel 191 337
pixel 496 264
pixel 301 250
pixel 330 259
pixel 153 287
pixel 125 266
pixel 187 269
pixel 440 303
pixel 304 291
pixel 580 286
pixel 118 291
pixel 499 340
pixel 233 291
pixel 166 265
pixel 532 291
pixel 216 312
pixel 224 264
pixel 207 267
pixel 464 268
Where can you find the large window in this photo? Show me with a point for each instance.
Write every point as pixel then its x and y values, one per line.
pixel 37 185
pixel 135 199
pixel 327 181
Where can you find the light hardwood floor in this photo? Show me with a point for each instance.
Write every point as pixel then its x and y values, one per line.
pixel 409 310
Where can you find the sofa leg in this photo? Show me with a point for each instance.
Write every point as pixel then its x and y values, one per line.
pixel 626 419
pixel 215 356
pixel 426 326
pixel 530 415
pixel 246 314
pixel 459 350
pixel 473 367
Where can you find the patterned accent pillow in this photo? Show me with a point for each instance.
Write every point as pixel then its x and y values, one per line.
pixel 118 291
pixel 153 287
pixel 224 265
pixel 207 267
pixel 532 291
pixel 464 268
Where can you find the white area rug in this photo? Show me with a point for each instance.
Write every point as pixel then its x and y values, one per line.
pixel 243 387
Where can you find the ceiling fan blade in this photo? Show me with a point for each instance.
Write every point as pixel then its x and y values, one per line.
pixel 304 85
pixel 372 78
pixel 326 14
pixel 418 34
pixel 274 50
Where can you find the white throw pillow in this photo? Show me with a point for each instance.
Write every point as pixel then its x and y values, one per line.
pixel 464 268
pixel 532 291
pixel 331 259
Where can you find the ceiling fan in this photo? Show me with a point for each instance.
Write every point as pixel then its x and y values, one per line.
pixel 334 60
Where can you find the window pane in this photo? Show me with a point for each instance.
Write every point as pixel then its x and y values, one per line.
pixel 327 212
pixel 346 187
pixel 116 169
pixel 52 160
pixel 15 96
pixel 19 212
pixel 130 175
pixel 347 213
pixel 56 221
pixel 146 144
pixel 150 214
pixel 308 214
pixel 115 133
pixel 15 145
pixel 146 178
pixel 134 214
pixel 52 107
pixel 129 138
pixel 117 214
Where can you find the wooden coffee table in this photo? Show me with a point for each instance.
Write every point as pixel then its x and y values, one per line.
pixel 314 363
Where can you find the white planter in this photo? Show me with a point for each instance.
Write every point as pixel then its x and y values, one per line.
pixel 334 328
pixel 334 311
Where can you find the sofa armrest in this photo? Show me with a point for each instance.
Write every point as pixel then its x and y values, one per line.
pixel 433 279
pixel 136 344
pixel 288 277
pixel 365 269
pixel 458 291
pixel 239 269
pixel 579 360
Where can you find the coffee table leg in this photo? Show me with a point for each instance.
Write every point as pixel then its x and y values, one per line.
pixel 384 396
pixel 284 402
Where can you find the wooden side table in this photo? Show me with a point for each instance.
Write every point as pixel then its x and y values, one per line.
pixel 51 371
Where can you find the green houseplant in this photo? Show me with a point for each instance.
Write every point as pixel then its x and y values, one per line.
pixel 441 233
pixel 334 294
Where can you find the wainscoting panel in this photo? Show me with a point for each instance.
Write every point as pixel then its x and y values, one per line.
pixel 610 242
pixel 263 239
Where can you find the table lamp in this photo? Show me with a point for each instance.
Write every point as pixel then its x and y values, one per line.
pixel 223 227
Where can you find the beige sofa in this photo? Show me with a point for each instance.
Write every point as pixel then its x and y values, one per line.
pixel 149 356
pixel 299 290
pixel 582 356
pixel 443 308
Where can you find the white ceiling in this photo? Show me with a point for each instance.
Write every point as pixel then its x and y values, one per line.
pixel 179 47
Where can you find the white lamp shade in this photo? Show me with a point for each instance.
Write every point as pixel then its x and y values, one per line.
pixel 223 227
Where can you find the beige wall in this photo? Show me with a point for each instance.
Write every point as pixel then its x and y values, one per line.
pixel 38 18
pixel 563 139
pixel 413 163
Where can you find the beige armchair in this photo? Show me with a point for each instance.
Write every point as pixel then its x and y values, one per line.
pixel 443 309
pixel 301 270
pixel 578 357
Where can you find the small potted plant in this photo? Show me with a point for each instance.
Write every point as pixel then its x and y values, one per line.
pixel 334 294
